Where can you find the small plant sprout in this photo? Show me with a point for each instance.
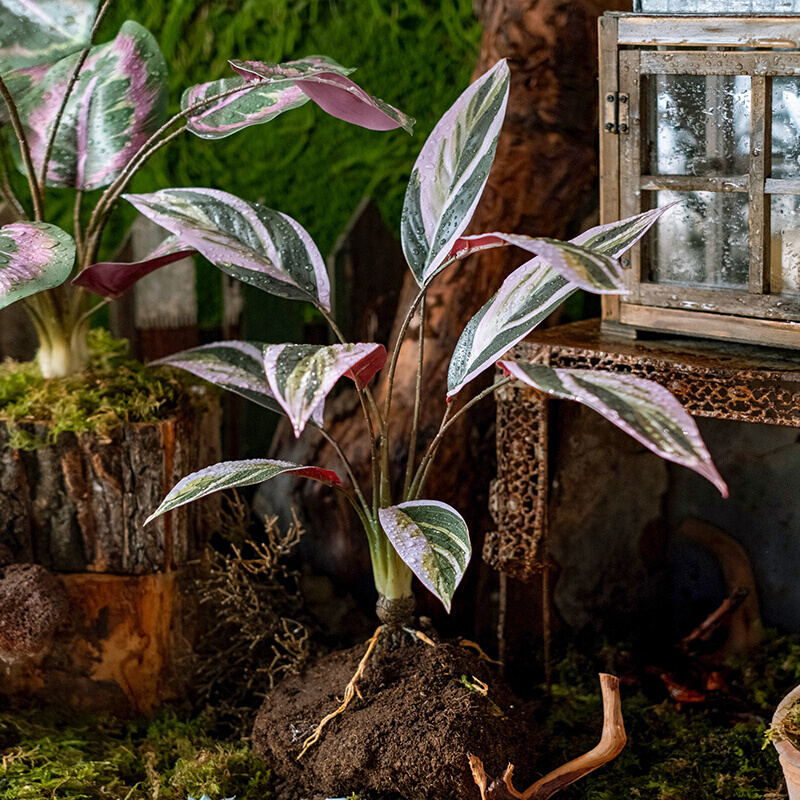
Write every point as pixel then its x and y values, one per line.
pixel 84 117
pixel 410 535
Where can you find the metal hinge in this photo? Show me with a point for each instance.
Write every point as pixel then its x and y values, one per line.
pixel 615 112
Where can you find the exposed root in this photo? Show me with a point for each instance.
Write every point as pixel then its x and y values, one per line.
pixel 479 650
pixel 350 691
pixel 421 636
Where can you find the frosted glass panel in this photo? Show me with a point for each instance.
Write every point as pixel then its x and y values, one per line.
pixel 717 6
pixel 699 124
pixel 784 261
pixel 785 127
pixel 703 241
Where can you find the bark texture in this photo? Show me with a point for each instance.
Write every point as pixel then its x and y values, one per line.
pixel 543 183
pixel 80 505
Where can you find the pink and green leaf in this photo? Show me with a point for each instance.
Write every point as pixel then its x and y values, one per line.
pixel 433 540
pixel 641 408
pixel 302 375
pixel 234 366
pixel 326 83
pixel 34 256
pixel 528 295
pixel 37 32
pixel 119 101
pixel 451 173
pixel 255 104
pixel 254 244
pixel 232 474
pixel 111 279
pixel 588 269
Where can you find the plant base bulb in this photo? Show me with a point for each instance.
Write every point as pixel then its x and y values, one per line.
pixel 397 612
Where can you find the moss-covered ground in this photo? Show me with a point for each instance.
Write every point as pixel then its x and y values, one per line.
pixel 115 389
pixel 712 751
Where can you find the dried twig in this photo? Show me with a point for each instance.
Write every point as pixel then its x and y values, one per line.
pixel 610 746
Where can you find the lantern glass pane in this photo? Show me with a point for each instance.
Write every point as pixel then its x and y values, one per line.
pixel 703 241
pixel 784 261
pixel 699 125
pixel 786 127
pixel 717 6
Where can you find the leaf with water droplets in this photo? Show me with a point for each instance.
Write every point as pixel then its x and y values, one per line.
pixel 34 35
pixel 234 366
pixel 528 295
pixel 34 256
pixel 251 242
pixel 326 83
pixel 302 375
pixel 231 474
pixel 433 540
pixel 254 104
pixel 642 408
pixel 111 279
pixel 451 173
pixel 119 101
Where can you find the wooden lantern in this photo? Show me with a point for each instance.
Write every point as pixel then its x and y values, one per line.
pixel 704 109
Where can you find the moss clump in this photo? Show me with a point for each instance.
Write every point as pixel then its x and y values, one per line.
pixel 788 729
pixel 114 389
pixel 46 755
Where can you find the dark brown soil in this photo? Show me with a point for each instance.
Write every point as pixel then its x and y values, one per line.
pixel 407 739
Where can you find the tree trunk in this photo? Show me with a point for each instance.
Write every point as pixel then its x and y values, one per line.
pixel 543 183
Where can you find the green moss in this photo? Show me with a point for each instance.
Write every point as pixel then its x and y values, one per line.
pixel 47 755
pixel 114 389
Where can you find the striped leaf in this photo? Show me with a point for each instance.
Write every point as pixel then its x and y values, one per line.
pixel 451 173
pixel 111 279
pixel 120 99
pixel 527 296
pixel 586 268
pixel 326 83
pixel 643 409
pixel 34 35
pixel 433 540
pixel 230 474
pixel 261 247
pixel 302 375
pixel 253 105
pixel 33 256
pixel 234 366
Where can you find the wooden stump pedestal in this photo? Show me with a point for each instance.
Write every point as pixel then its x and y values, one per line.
pixel 77 508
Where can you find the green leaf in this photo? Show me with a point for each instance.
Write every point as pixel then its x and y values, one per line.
pixel 642 408
pixel 433 540
pixel 451 173
pixel 33 256
pixel 230 474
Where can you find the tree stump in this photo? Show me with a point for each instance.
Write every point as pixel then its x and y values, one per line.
pixel 80 504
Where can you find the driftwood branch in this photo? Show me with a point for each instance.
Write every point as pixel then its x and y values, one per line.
pixel 610 746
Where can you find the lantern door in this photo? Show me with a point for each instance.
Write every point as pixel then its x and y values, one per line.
pixel 699 116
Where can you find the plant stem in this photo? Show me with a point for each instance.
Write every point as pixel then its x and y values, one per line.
pixel 67 92
pixel 76 226
pixel 6 191
pixel 348 466
pixel 447 423
pixel 412 446
pixel 25 149
pixel 365 397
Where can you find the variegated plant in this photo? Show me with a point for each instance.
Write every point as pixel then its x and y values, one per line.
pixel 87 116
pixel 408 535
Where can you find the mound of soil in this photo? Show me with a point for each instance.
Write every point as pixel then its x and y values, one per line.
pixel 407 738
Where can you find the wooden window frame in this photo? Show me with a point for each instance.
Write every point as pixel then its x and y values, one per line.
pixel 627 57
